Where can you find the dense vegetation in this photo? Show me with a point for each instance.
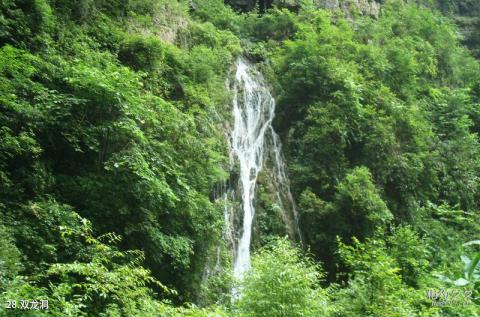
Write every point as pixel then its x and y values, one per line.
pixel 112 141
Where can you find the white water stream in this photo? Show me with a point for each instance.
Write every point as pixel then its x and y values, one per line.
pixel 250 139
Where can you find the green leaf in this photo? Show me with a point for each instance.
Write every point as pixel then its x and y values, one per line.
pixel 461 282
pixel 473 266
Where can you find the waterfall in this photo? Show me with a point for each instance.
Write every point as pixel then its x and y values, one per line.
pixel 253 111
pixel 252 140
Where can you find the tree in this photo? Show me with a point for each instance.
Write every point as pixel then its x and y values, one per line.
pixel 282 282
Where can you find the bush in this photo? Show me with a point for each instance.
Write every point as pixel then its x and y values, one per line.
pixel 282 282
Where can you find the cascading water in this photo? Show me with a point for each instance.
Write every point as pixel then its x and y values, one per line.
pixel 251 138
pixel 253 143
pixel 253 111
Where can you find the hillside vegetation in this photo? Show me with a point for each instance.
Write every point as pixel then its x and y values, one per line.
pixel 113 117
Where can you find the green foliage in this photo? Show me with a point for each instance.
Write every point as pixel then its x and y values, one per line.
pixel 358 196
pixel 278 25
pixel 465 14
pixel 111 283
pixel 141 53
pixel 452 113
pixel 376 288
pixel 388 95
pixel 443 227
pixel 282 282
pixel 9 259
pixel 112 119
pixel 356 211
pixel 100 281
pixel 79 129
pixel 25 22
pixel 217 13
pixel 471 274
pixel 410 252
